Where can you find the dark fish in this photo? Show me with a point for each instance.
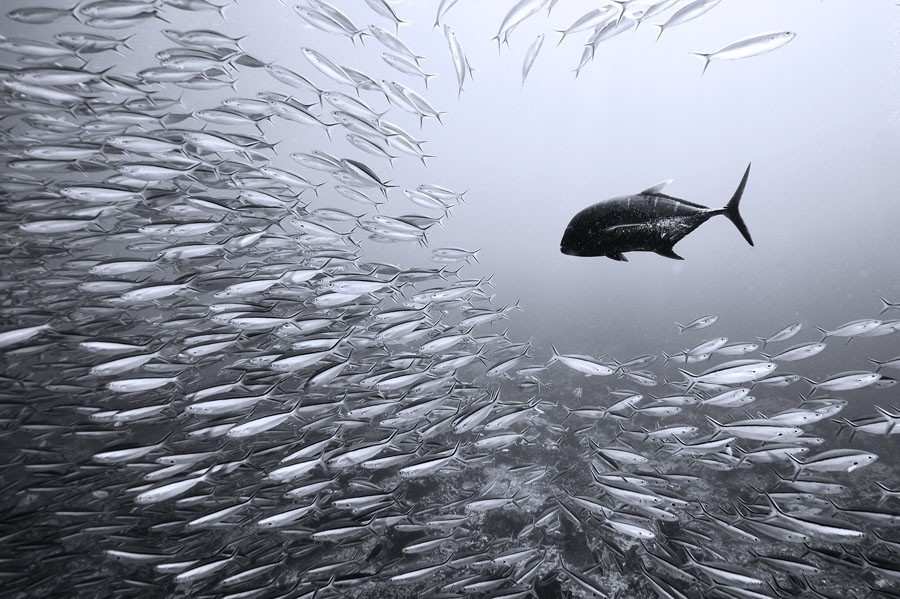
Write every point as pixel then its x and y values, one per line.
pixel 647 222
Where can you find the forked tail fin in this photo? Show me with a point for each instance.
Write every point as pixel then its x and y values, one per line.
pixel 731 209
pixel 705 57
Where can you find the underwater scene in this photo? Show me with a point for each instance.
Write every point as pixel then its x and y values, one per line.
pixel 449 298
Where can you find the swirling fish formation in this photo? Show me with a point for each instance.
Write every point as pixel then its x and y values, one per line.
pixel 210 392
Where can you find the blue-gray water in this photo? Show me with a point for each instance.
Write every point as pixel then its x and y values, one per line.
pixel 819 120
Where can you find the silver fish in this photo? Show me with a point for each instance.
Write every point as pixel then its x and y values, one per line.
pixel 531 55
pixel 747 47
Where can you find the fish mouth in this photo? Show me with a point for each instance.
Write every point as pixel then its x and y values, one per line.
pixel 566 246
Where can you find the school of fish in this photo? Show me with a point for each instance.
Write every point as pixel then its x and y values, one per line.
pixel 210 391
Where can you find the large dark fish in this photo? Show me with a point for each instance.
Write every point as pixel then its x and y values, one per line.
pixel 647 222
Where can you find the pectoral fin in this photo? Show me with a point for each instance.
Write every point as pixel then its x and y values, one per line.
pixel 619 257
pixel 669 253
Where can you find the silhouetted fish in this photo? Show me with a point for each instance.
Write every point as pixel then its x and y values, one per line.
pixel 647 222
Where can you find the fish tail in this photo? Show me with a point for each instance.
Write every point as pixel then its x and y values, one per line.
pixel 883 487
pixel 620 4
pixel 555 355
pixel 732 211
pixel 361 33
pixel 397 25
pixel 705 58
pixel 798 465
pixel 691 379
pixel 561 39
pixel 126 40
pixel 813 384
pixel 499 42
pixel 714 423
pixel 691 560
pixel 680 326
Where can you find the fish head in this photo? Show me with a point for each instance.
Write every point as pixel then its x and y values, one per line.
pixel 577 239
pixel 118 141
pixel 27 76
pixel 569 244
pixel 586 236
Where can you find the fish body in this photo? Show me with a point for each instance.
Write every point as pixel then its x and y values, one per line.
pixel 688 12
pixel 747 47
pixel 518 13
pixel 458 55
pixel 698 323
pixel 531 55
pixel 734 372
pixel 649 221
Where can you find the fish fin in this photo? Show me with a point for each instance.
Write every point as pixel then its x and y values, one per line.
pixel 656 188
pixel 690 378
pixel 555 356
pixel 705 58
pixel 731 209
pixel 471 70
pixel 620 4
pixel 246 60
pixel 890 418
pixel 659 32
pixel 620 257
pixel 717 425
pixel 563 33
pixel 669 253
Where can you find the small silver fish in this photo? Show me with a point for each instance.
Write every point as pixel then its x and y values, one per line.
pixel 531 55
pixel 747 47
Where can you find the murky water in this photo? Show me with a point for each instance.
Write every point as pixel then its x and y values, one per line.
pixel 284 311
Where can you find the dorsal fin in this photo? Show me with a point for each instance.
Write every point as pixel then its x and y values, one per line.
pixel 657 188
pixel 674 199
